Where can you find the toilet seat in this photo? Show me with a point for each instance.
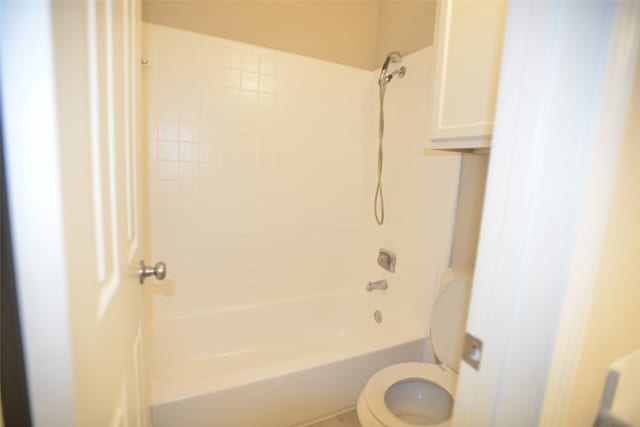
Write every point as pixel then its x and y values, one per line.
pixel 376 388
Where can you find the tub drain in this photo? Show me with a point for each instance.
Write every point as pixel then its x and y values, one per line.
pixel 377 315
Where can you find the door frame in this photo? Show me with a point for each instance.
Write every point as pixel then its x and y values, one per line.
pixel 34 193
pixel 14 395
pixel 562 102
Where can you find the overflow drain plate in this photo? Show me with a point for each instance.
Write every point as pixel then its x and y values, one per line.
pixel 377 316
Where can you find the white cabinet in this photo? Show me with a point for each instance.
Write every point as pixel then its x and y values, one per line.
pixel 468 47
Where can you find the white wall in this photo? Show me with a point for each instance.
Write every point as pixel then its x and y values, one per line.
pixel 256 165
pixel 266 192
pixel 419 192
pixel 473 177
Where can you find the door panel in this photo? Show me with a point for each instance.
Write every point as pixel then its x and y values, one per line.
pixel 95 180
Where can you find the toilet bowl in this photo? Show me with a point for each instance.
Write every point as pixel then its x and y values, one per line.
pixel 417 393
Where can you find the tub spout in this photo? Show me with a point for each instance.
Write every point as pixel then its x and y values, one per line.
pixel 378 284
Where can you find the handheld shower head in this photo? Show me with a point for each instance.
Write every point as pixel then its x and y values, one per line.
pixel 391 57
pixel 394 57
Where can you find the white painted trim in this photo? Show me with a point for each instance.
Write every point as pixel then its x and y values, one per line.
pixel 619 78
pixel 550 95
pixel 35 206
pixel 96 166
pixel 109 289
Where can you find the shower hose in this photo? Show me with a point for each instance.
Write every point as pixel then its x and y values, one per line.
pixel 379 196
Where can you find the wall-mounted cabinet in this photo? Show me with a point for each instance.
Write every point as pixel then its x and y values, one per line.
pixel 468 47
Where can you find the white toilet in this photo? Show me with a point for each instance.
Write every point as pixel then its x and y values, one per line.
pixel 419 394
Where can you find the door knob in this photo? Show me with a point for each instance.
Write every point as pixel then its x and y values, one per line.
pixel 159 271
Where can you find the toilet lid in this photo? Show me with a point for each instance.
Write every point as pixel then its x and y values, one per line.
pixel 448 322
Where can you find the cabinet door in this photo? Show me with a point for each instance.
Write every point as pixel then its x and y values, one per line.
pixel 468 46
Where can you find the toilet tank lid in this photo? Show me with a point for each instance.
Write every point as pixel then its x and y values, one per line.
pixel 448 320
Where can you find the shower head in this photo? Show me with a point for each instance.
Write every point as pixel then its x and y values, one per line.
pixel 391 57
pixel 394 57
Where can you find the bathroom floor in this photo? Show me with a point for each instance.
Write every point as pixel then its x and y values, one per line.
pixel 348 419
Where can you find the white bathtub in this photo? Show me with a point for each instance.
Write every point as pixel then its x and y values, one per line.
pixel 280 364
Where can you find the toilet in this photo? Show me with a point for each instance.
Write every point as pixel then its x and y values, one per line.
pixel 420 393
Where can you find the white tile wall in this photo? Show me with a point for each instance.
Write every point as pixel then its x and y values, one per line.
pixel 256 166
pixel 262 174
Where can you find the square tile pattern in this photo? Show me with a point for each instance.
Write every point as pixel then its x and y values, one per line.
pixel 261 176
pixel 255 164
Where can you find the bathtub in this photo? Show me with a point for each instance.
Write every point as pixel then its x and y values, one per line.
pixel 285 363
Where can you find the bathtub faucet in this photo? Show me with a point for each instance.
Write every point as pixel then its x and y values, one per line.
pixel 378 284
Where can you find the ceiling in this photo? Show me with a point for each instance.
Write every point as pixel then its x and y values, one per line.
pixel 354 33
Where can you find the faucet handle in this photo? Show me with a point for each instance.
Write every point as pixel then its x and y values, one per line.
pixel 387 260
pixel 378 284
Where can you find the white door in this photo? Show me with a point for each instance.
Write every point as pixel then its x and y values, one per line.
pixel 71 129
pixel 566 77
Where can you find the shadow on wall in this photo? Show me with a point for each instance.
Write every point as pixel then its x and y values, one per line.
pixel 473 177
pixel 355 33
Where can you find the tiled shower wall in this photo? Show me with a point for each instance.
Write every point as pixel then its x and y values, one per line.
pixel 255 171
